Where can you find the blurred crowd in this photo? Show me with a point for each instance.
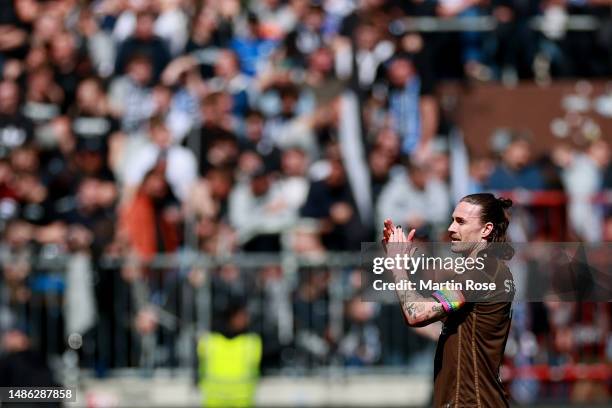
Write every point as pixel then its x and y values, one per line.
pixel 133 127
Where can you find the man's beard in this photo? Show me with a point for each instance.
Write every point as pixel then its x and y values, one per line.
pixel 463 248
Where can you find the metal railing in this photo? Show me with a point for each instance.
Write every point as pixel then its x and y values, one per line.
pixel 483 24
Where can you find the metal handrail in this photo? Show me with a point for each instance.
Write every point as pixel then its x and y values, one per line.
pixel 481 24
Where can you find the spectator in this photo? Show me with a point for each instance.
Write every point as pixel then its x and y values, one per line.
pixel 307 37
pixel 254 91
pixel 479 173
pixel 471 41
pixel 311 314
pixel 228 78
pixel 229 360
pixel 148 222
pixel 179 162
pixel 70 66
pixel 22 366
pixel 330 201
pixel 215 145
pixel 257 147
pixel 516 44
pixel 98 44
pixel 130 95
pixel 43 99
pixel 371 51
pixel 253 48
pixel 361 345
pixel 14 18
pixel 205 36
pixel 171 25
pixel 15 128
pixel 415 198
pixel 93 209
pixel 582 176
pixel 380 167
pixel 412 108
pixel 91 116
pixel 145 42
pixel 259 212
pixel 516 170
pixel 293 182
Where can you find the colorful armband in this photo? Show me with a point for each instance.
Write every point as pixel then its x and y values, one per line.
pixel 451 300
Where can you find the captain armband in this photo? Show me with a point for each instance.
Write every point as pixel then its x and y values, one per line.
pixel 451 300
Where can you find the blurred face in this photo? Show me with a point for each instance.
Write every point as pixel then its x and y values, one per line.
pixel 367 37
pixel 220 184
pixel 562 155
pixel 88 193
pixel 222 152
pixel 89 161
pixel 63 48
pixel 321 61
pixel 47 26
pixel 389 142
pixel 24 160
pixel 293 163
pixel 36 58
pixel 160 135
pixel 379 164
pixel 39 82
pixel 26 10
pixel 466 230
pixel 517 155
pixel 19 233
pixel 227 65
pixel 239 321
pixel 400 71
pixel 336 175
pixel 15 341
pixel 481 169
pixel 162 98
pixel 288 103
pixel 140 71
pixel 440 166
pixel 6 173
pixel 600 153
pixel 88 94
pixel 314 20
pixel 360 311
pixel 144 26
pixel 418 177
pixel 9 97
pixel 260 185
pixel 155 185
pixel 205 24
pixel 254 128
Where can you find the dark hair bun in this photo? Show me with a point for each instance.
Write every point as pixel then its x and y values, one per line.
pixel 505 202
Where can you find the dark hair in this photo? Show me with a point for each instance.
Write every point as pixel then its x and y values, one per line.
pixel 494 210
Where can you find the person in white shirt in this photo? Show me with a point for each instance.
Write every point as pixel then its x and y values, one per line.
pixel 181 163
pixel 415 197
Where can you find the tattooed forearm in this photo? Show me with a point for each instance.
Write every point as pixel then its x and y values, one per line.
pixel 419 310
pixel 410 309
pixel 437 308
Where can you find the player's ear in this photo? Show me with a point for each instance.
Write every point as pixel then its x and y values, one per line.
pixel 487 229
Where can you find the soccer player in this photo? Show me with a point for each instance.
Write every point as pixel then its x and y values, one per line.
pixel 472 342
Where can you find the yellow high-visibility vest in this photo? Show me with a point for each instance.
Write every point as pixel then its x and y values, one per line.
pixel 229 369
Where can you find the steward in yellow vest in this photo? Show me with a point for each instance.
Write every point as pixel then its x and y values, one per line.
pixel 229 363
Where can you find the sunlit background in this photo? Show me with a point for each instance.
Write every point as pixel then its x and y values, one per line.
pixel 176 170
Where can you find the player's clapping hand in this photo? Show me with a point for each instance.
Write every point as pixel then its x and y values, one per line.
pixel 394 235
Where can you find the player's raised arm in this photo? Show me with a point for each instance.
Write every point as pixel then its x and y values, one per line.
pixel 417 309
